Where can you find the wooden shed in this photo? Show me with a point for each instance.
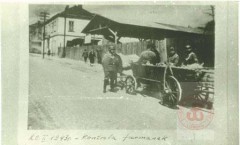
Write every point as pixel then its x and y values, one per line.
pixel 164 35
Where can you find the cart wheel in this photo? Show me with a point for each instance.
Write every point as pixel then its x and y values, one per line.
pixel 130 85
pixel 173 90
pixel 203 93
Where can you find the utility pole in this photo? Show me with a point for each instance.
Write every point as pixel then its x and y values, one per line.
pixel 43 16
pixel 64 37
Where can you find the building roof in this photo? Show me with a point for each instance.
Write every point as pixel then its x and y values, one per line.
pixel 74 12
pixel 137 28
pixel 181 28
pixel 36 24
pixel 141 22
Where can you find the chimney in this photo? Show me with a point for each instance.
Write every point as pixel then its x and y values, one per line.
pixel 67 7
pixel 80 6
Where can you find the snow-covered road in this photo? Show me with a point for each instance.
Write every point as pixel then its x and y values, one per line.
pixel 67 94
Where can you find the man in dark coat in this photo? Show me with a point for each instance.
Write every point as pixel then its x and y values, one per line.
pixel 85 55
pixel 191 56
pixel 48 52
pixel 112 64
pixel 99 55
pixel 92 56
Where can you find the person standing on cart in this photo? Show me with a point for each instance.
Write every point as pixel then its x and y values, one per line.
pixel 148 56
pixel 191 57
pixel 112 64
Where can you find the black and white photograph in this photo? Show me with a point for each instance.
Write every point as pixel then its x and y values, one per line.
pixel 130 67
pixel 119 73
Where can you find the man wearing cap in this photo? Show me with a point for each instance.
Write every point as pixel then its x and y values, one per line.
pixel 173 57
pixel 112 64
pixel 191 56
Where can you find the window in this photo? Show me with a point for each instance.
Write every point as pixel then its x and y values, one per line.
pixel 55 25
pixel 71 26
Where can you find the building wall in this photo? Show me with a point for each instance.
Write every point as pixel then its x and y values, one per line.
pixel 53 43
pixel 35 38
pixel 55 33
pixel 52 28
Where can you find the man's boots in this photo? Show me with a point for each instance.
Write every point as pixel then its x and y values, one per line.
pixel 105 83
pixel 112 85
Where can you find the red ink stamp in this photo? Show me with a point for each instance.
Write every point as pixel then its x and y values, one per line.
pixel 195 118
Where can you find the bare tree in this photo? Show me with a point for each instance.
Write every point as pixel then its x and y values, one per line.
pixel 210 26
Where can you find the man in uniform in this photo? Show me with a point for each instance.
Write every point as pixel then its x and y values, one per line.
pixel 173 57
pixel 112 64
pixel 85 55
pixel 191 56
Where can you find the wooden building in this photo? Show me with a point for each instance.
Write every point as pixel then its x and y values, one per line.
pixel 164 35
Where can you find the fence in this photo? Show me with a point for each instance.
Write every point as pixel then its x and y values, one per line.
pixel 125 49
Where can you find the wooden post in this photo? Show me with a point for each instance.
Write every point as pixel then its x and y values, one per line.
pixel 44 16
pixel 115 37
pixel 43 40
pixel 64 38
pixel 163 50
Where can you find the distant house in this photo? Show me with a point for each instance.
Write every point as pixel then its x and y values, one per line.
pixel 35 37
pixel 65 30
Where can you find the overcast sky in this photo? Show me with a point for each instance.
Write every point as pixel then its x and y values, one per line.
pixel 194 16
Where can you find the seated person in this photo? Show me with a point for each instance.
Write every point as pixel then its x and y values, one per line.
pixel 173 57
pixel 191 57
pixel 147 56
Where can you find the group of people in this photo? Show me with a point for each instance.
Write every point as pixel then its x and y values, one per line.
pixel 92 55
pixel 190 58
pixel 112 62
pixel 152 56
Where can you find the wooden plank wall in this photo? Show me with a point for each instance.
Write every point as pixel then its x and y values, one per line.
pixel 125 48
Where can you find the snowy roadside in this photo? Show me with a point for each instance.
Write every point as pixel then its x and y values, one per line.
pixel 71 62
pixel 79 64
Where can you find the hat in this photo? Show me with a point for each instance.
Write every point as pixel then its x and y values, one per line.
pixel 171 48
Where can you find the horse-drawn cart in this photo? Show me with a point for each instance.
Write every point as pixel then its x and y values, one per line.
pixel 172 82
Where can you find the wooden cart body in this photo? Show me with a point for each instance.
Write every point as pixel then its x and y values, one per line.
pixel 198 83
pixel 148 73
